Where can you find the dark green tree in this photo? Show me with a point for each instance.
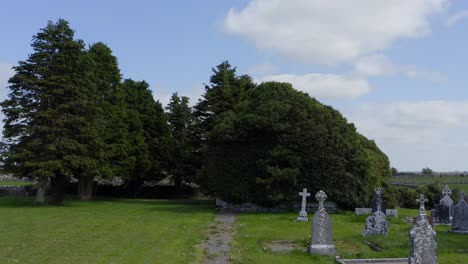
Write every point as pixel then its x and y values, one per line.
pixel 148 140
pixel 183 157
pixel 225 91
pixel 278 140
pixel 48 112
pixel 108 127
pixel 394 171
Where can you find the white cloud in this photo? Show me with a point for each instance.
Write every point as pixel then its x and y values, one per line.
pixel 324 31
pixel 457 18
pixel 325 86
pixel 379 65
pixel 417 134
pixel 5 73
pixel 261 69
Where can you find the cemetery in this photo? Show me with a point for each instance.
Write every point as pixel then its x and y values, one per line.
pixel 122 143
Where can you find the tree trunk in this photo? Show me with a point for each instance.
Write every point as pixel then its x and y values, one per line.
pixel 86 188
pixel 42 183
pixel 58 189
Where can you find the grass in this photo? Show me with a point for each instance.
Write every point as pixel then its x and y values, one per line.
pixel 11 183
pixel 103 231
pixel 255 229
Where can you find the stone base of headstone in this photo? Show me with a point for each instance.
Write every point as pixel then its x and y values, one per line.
pixel 458 231
pixel 302 219
pixel 376 224
pixel 322 249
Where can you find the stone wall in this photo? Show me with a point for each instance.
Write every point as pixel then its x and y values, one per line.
pixel 13 191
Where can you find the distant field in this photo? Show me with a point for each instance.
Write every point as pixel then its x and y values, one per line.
pixel 11 183
pixel 458 182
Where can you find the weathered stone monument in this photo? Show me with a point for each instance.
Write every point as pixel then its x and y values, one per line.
pixel 377 223
pixel 422 237
pixel 303 213
pixel 321 229
pixel 443 211
pixel 460 216
pixel 379 200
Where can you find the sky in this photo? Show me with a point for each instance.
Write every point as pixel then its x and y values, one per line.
pixel 397 69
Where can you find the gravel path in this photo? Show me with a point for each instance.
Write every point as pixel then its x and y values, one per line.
pixel 220 234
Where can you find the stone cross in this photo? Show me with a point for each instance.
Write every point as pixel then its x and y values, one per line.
pixel 421 201
pixel 379 191
pixel 321 196
pixel 303 212
pixel 447 191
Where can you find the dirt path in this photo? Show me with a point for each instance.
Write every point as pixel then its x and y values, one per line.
pixel 220 234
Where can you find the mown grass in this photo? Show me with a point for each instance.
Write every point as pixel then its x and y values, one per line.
pixel 255 229
pixel 103 231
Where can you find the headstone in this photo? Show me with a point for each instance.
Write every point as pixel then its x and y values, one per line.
pixel 321 229
pixel 379 199
pixel 376 224
pixel 441 214
pixel 460 216
pixel 422 236
pixel 392 213
pixel 303 213
pixel 361 211
pixel 446 200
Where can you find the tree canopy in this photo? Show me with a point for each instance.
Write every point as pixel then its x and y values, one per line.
pixel 279 140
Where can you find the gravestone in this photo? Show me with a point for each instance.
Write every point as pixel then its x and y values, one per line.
pixel 460 216
pixel 446 200
pixel 377 223
pixel 441 214
pixel 321 229
pixel 379 199
pixel 422 236
pixel 303 213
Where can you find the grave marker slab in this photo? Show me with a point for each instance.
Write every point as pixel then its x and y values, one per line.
pixel 422 236
pixel 322 243
pixel 460 216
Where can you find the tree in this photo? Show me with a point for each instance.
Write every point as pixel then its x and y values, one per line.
pixel 394 171
pixel 107 125
pixel 183 157
pixel 427 171
pixel 148 139
pixel 48 110
pixel 279 140
pixel 225 91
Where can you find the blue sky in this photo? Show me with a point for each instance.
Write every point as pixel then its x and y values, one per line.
pixel 395 68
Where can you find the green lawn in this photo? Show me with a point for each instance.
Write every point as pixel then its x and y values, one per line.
pixel 255 229
pixel 428 179
pixel 105 231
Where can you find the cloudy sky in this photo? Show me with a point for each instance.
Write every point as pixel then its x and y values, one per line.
pixel 397 69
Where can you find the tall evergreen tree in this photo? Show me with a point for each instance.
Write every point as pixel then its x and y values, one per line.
pixel 225 91
pixel 183 159
pixel 148 136
pixel 48 111
pixel 107 128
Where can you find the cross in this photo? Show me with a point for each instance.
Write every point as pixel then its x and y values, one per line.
pixel 321 196
pixel 304 195
pixel 462 195
pixel 379 191
pixel 421 201
pixel 446 191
